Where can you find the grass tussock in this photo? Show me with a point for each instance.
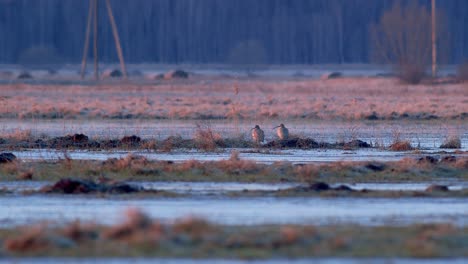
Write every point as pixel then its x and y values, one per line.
pixel 205 138
pixel 401 146
pixel 144 237
pixel 135 168
pixel 452 142
pixel 411 73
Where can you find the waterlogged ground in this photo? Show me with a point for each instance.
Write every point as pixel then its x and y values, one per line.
pixel 217 188
pixel 293 156
pixel 423 134
pixel 22 210
pixel 223 261
pixel 207 200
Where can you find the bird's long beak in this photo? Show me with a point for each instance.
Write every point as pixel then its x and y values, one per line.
pixel 275 127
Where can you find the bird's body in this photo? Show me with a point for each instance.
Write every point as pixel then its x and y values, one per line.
pixel 257 134
pixel 282 132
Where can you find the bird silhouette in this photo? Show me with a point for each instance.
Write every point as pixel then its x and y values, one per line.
pixel 282 132
pixel 257 134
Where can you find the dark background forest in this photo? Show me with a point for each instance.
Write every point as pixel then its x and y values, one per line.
pixel 212 31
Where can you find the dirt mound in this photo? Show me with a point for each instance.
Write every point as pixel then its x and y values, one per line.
pixel 303 143
pixel 112 73
pixel 176 74
pixel 401 146
pixel 7 157
pixel 78 186
pixel 356 144
pixel 374 166
pixel 331 75
pixel 130 140
pixel 24 75
pixel 437 188
pixel 321 187
pixel 309 143
pixel 76 140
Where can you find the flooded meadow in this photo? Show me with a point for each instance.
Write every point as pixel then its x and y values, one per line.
pixel 339 173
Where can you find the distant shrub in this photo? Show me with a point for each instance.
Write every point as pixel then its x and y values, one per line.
pixel 112 73
pixel 452 142
pixel 402 38
pixel 411 73
pixel 24 75
pixel 401 146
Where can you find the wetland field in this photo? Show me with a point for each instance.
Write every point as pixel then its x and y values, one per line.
pixel 372 170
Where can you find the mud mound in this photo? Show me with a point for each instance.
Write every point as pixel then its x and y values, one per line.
pixel 78 186
pixel 130 140
pixel 7 157
pixel 437 188
pixel 321 187
pixel 76 140
pixel 308 143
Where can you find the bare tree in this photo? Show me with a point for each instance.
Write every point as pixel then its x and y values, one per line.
pixel 403 37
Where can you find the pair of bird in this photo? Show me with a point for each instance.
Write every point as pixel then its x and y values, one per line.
pixel 258 135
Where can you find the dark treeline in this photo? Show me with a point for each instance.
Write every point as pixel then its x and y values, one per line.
pixel 209 31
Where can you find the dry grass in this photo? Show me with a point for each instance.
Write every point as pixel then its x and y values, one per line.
pixel 257 99
pixel 205 138
pixel 452 142
pixel 401 146
pixel 235 169
pixel 138 235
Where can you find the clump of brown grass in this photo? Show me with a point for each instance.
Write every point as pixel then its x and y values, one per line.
pixel 32 239
pixel 195 228
pixel 452 142
pixel 289 235
pixel 423 243
pixel 76 231
pixel 205 138
pixel 12 167
pixel 190 165
pixel 137 227
pixel 307 173
pixel 404 165
pixel 411 73
pixel 400 144
pixel 461 164
pixel 128 162
pixel 236 165
pixel 149 144
pixel 26 175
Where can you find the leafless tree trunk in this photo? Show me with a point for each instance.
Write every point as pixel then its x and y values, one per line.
pixel 404 37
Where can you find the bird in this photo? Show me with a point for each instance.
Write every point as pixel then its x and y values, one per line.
pixel 282 132
pixel 257 134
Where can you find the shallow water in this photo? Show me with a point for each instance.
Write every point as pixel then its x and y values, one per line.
pixel 427 135
pixel 222 261
pixel 20 210
pixel 179 187
pixel 293 156
pixel 223 187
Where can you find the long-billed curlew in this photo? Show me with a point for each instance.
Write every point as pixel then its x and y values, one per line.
pixel 282 132
pixel 257 134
